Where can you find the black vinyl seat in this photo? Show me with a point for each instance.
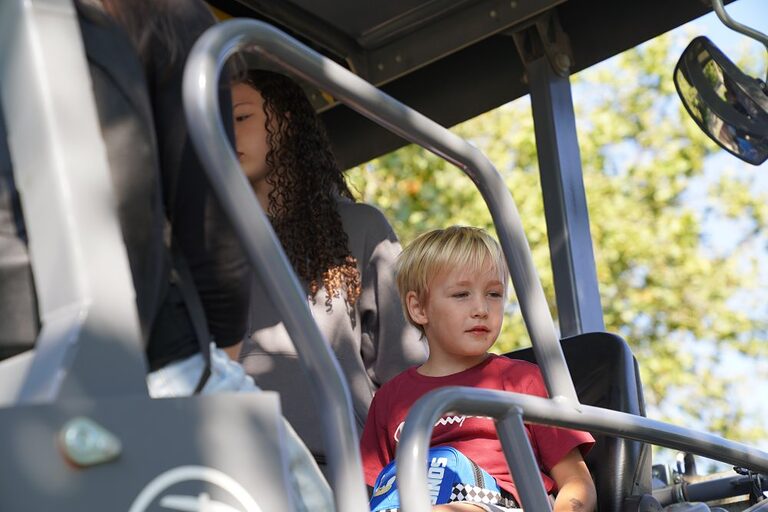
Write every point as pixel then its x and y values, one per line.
pixel 605 374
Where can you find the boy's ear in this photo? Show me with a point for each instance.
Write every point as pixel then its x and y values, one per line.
pixel 415 308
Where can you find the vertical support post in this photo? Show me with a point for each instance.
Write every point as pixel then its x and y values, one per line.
pixel 565 205
pixel 522 462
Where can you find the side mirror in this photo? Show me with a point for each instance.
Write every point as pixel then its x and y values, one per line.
pixel 728 105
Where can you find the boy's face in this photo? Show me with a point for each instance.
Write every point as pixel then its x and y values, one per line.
pixel 461 315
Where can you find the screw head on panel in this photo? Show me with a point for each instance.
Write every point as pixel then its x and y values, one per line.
pixel 86 443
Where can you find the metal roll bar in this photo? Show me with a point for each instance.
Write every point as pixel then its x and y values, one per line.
pixel 504 406
pixel 719 8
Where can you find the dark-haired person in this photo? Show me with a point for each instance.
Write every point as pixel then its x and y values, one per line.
pixel 341 250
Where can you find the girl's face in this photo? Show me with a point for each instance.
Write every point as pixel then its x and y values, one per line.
pixel 250 131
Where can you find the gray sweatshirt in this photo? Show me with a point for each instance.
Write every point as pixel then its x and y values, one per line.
pixel 373 342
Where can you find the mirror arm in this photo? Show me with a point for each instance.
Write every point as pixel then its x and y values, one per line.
pixel 729 22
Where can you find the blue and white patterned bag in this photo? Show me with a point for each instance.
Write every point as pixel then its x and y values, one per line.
pixel 451 476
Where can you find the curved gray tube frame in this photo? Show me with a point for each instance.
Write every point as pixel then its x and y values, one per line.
pixel 200 98
pixel 507 408
pixel 719 8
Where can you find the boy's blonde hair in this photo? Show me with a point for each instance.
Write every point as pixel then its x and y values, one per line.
pixel 438 250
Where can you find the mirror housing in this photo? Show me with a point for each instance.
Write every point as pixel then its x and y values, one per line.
pixel 728 105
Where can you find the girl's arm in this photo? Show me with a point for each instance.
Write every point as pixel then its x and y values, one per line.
pixel 233 351
pixel 576 488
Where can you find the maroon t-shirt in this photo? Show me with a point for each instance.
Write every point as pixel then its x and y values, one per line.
pixel 474 436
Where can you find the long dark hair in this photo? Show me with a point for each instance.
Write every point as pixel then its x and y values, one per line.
pixel 306 183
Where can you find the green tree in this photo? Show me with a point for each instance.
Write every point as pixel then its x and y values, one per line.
pixel 676 297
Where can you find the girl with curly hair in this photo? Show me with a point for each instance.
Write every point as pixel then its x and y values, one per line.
pixel 342 251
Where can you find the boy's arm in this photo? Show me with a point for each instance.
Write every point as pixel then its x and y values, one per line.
pixel 576 489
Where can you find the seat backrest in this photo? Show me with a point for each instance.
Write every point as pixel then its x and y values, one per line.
pixel 605 374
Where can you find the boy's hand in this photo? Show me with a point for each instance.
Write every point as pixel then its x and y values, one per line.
pixel 576 489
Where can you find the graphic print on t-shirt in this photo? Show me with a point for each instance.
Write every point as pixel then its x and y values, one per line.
pixel 457 420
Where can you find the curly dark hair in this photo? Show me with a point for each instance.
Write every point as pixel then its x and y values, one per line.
pixel 306 183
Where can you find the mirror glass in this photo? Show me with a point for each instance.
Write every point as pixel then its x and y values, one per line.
pixel 729 106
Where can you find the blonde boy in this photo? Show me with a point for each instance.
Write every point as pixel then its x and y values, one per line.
pixel 453 286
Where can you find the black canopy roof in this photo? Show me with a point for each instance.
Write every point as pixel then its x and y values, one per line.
pixel 450 59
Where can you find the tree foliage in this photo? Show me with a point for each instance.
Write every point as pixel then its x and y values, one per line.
pixel 668 284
